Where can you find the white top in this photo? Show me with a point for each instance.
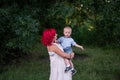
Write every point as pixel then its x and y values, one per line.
pixel 57 66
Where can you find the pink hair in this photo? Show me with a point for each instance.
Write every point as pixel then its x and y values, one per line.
pixel 48 36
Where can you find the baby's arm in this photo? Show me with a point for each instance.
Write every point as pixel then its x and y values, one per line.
pixel 81 47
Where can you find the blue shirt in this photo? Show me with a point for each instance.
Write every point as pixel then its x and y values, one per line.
pixel 66 42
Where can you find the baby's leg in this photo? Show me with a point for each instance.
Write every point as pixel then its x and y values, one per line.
pixel 67 62
pixel 71 63
pixel 68 66
pixel 73 69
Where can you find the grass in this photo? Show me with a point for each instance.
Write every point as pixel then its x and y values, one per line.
pixel 91 64
pixel 100 64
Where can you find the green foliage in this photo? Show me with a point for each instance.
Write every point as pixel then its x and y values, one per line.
pixel 75 15
pixel 94 22
pixel 19 31
pixel 110 22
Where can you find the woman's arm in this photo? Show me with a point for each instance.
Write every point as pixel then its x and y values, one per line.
pixel 60 52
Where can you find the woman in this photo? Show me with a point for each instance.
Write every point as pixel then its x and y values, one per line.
pixel 57 64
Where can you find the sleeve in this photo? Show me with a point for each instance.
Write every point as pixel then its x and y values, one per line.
pixel 59 39
pixel 73 42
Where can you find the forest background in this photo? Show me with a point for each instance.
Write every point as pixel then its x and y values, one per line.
pixel 94 23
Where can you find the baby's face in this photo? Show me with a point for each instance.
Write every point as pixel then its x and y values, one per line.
pixel 67 32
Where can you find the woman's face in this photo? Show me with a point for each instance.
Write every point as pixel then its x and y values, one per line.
pixel 55 38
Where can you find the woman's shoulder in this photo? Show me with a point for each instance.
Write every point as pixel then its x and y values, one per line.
pixel 56 46
pixel 52 47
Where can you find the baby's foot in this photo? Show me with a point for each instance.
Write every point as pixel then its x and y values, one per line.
pixel 68 68
pixel 73 71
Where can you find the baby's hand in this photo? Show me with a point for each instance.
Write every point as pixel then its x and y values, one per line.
pixel 81 47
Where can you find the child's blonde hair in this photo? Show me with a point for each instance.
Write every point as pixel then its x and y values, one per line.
pixel 67 27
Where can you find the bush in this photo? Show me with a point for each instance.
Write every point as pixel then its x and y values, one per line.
pixel 19 32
